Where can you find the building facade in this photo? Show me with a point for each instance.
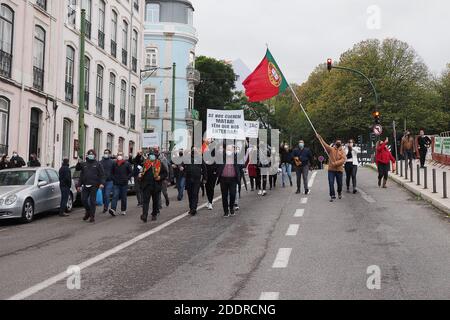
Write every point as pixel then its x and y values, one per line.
pixel 169 37
pixel 39 76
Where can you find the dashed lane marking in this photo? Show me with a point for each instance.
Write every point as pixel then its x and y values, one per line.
pixel 311 181
pixel 299 213
pixel 366 197
pixel 304 201
pixel 282 258
pixel 269 296
pixel 292 230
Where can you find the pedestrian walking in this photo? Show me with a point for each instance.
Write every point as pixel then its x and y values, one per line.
pixel 16 161
pixel 92 178
pixel 228 175
pixel 263 168
pixel 274 168
pixel 211 174
pixel 138 163
pixel 152 176
pixel 407 148
pixel 34 162
pixel 336 162
pixel 65 183
pixel 286 165
pixel 424 143
pixel 161 156
pixel 302 159
pixel 196 174
pixel 107 163
pixel 351 164
pixel 180 176
pixel 383 159
pixel 121 174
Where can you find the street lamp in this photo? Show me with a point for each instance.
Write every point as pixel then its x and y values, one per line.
pixel 152 71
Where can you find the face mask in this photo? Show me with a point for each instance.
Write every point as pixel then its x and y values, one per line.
pixel 152 157
pixel 301 145
pixel 120 158
pixel 91 157
pixel 106 156
pixel 14 154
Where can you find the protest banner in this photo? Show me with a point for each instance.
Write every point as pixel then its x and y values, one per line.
pixel 150 140
pixel 225 124
pixel 251 129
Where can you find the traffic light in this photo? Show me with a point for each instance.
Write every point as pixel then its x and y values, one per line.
pixel 329 64
pixel 360 139
pixel 376 116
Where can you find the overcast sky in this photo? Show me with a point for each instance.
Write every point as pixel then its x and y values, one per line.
pixel 302 34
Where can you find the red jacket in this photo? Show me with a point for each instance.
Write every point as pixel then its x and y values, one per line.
pixel 383 155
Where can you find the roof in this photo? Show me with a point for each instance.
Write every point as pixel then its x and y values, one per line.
pixel 186 2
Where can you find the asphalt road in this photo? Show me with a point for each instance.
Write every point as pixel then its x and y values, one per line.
pixel 278 246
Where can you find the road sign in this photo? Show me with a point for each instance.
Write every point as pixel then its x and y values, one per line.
pixel 378 130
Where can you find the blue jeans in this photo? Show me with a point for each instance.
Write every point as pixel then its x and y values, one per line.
pixel 181 184
pixel 286 170
pixel 335 175
pixel 107 193
pixel 120 192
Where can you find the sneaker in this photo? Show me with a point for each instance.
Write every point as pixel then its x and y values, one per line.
pixel 144 219
pixel 259 193
pixel 153 218
pixel 236 207
pixel 298 191
pixel 226 215
pixel 233 213
pixel 86 217
pixel 123 213
pixel 209 206
pixel 307 192
pixel 105 210
pixel 112 212
pixel 340 196
pixel 193 212
pixel 355 191
pixel 264 193
pixel 92 220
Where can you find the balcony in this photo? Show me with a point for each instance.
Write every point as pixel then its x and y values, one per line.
pixel 38 78
pixel 101 39
pixel 124 57
pixel 134 64
pixel 99 106
pixel 111 112
pixel 86 100
pixel 5 64
pixel 88 29
pixel 150 112
pixel 193 75
pixel 69 92
pixel 122 116
pixel 113 48
pixel 133 121
pixel 42 4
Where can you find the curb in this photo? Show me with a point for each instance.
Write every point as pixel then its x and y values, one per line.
pixel 407 185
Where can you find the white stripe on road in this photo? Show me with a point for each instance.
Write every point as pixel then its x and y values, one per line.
pixel 299 213
pixel 269 296
pixel 292 230
pixel 366 197
pixel 3 230
pixel 304 201
pixel 311 181
pixel 282 259
pixel 51 281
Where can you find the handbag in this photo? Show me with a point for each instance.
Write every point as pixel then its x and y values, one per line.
pixel 99 198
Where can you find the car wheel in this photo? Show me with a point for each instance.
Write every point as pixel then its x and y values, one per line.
pixel 28 211
pixel 69 205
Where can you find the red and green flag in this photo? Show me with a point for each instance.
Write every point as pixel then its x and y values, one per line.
pixel 266 82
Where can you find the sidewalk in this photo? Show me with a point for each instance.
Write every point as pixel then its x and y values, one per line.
pixel 436 199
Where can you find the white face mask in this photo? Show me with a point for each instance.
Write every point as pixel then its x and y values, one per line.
pixel 120 158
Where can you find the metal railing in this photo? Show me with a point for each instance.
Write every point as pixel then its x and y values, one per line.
pixel 111 111
pixel 124 57
pixel 99 106
pixel 101 39
pixel 38 78
pixel 113 48
pixel 193 75
pixel 69 92
pixel 5 64
pixel 150 112
pixel 122 116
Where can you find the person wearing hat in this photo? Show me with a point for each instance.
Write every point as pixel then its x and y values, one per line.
pixel 151 178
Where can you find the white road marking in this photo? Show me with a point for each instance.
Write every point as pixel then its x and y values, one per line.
pixel 366 197
pixel 299 213
pixel 311 181
pixel 292 230
pixel 304 201
pixel 3 230
pixel 282 258
pixel 61 276
pixel 269 296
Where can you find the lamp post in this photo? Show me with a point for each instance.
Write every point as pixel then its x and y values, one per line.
pixel 172 141
pixel 81 98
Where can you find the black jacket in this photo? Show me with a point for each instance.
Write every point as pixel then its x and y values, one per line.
pixel 92 173
pixel 121 174
pixel 148 181
pixel 285 156
pixel 34 163
pixel 107 165
pixel 195 172
pixel 305 155
pixel 65 176
pixel 424 143
pixel 17 162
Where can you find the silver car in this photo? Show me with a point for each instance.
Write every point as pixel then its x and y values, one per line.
pixel 25 192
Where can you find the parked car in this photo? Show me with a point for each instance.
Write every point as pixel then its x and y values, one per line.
pixel 26 192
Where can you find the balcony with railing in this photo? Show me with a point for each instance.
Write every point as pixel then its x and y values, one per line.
pixel 88 29
pixel 122 116
pixel 193 75
pixel 124 56
pixel 38 78
pixel 134 64
pixel 5 64
pixel 150 112
pixel 111 112
pixel 99 106
pixel 69 92
pixel 101 39
pixel 42 4
pixel 133 121
pixel 113 48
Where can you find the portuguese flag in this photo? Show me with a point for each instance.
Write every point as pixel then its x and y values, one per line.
pixel 266 81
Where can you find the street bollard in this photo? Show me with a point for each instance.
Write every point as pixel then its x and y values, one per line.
pixel 418 175
pixel 411 173
pixel 401 168
pixel 425 178
pixel 406 169
pixel 445 184
pixel 434 181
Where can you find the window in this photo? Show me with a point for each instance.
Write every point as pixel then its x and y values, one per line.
pixel 112 96
pixel 121 143
pixel 123 101
pixel 4 125
pixel 38 58
pixel 87 69
pixel 67 137
pixel 110 141
pixel 152 13
pixel 6 39
pixel 114 34
pixel 70 60
pixel 71 12
pixel 99 91
pixel 192 59
pixel 52 175
pixel 125 43
pixel 131 146
pixel 191 100
pixel 97 141
pixel 101 24
pixel 42 4
pixel 87 5
pixel 133 108
pixel 151 57
pixel 134 51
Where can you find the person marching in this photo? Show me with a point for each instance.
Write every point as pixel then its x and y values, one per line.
pixel 407 148
pixel 211 174
pixel 286 165
pixel 302 158
pixel 424 145
pixel 161 156
pixel 65 183
pixel 196 174
pixel 228 177
pixel 383 159
pixel 352 164
pixel 337 159
pixel 263 168
pixel 138 161
pixel 180 177
pixel 121 173
pixel 152 176
pixel 107 164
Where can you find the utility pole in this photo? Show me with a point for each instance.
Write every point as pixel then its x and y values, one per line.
pixel 172 141
pixel 81 99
